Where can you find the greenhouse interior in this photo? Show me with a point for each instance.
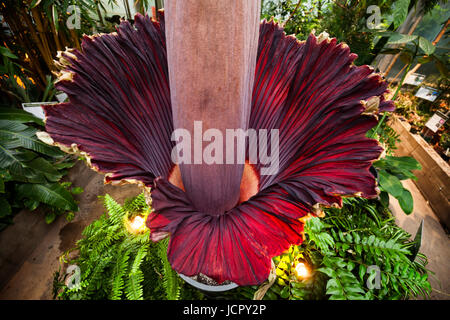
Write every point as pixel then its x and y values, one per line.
pixel 209 151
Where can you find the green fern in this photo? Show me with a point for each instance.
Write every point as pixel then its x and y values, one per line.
pixel 170 280
pixel 134 289
pixel 116 264
pixel 120 269
pixel 137 204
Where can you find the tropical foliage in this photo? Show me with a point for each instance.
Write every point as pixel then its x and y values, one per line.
pixel 346 254
pixel 412 47
pixel 118 263
pixel 30 170
pixel 37 29
pixel 16 86
pixel 391 170
pixel 345 20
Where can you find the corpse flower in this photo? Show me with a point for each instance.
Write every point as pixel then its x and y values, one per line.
pixel 228 221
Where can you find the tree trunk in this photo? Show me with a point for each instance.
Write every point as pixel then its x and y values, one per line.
pixel 211 72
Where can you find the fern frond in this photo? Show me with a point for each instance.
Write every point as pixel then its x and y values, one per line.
pixel 136 204
pixel 119 270
pixel 134 289
pixel 115 210
pixel 170 280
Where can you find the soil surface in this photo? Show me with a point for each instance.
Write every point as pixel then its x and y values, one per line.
pixel 208 281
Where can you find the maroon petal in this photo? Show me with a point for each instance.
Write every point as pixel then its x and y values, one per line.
pixel 119 112
pixel 323 149
pixel 237 245
pixel 386 106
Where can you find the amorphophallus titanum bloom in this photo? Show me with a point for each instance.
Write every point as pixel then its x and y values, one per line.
pixel 225 221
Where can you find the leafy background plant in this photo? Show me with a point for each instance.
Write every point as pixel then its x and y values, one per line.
pixel 345 20
pixel 391 170
pixel 340 248
pixel 30 170
pixel 118 264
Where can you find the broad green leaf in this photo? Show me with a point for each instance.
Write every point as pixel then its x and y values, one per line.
pixel 51 194
pixel 405 201
pixel 20 166
pixel 401 38
pixel 64 165
pixel 41 165
pixel 18 115
pixel 384 198
pixel 390 183
pixel 2 185
pixel 285 293
pixel 21 173
pixel 402 174
pixel 10 154
pixel 399 166
pixel 328 271
pixel 354 289
pixel 332 283
pixel 354 296
pixel 426 46
pixel 27 137
pixel 7 53
pixel 335 290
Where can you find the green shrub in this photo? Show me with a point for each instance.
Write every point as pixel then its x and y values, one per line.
pixel 30 170
pixel 343 252
pixel 116 263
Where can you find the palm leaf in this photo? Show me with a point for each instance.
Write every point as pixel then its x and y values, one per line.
pixel 52 194
pixel 27 137
pixel 18 115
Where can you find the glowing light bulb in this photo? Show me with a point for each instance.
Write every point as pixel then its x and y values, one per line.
pixel 137 224
pixel 301 270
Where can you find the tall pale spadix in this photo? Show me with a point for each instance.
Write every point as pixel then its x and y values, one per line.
pixel 211 54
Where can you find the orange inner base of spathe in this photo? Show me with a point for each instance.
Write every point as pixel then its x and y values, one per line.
pixel 249 182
